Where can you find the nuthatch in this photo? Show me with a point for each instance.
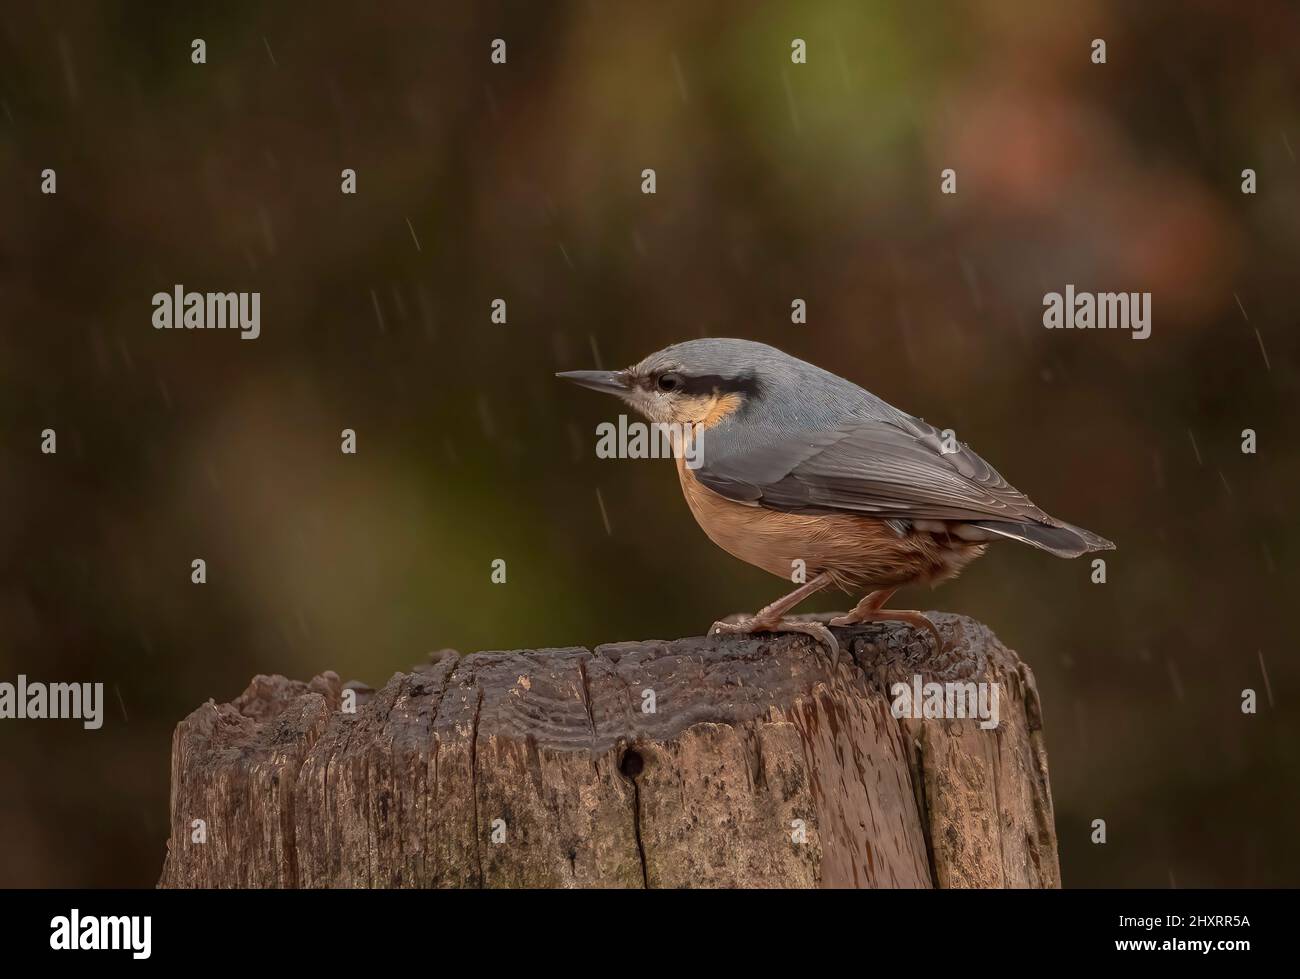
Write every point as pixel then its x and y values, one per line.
pixel 797 464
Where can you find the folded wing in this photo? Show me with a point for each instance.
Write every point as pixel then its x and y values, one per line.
pixel 899 470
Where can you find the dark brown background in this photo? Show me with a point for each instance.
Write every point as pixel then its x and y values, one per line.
pixel 522 181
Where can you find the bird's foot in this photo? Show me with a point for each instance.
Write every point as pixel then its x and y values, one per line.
pixel 916 620
pixel 750 624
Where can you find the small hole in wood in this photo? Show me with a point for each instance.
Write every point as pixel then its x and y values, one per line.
pixel 632 764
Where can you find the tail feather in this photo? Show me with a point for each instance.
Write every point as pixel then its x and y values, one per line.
pixel 1063 540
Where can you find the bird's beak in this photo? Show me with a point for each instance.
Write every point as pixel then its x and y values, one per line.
pixel 611 382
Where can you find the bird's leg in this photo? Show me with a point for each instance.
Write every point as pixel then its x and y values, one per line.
pixel 863 611
pixel 771 618
pixel 770 615
pixel 869 610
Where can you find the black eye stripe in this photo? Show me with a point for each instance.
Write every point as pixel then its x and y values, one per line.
pixel 709 383
pixel 697 385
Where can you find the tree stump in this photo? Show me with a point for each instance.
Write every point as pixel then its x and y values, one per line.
pixel 721 762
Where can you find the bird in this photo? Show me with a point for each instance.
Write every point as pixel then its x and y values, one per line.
pixel 802 473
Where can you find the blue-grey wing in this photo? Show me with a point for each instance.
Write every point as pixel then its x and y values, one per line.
pixel 870 466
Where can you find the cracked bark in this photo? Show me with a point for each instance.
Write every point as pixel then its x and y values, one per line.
pixel 632 772
pixel 760 767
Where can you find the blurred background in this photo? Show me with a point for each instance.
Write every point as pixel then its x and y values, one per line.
pixel 522 181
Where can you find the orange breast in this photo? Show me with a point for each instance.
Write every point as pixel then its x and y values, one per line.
pixel 859 552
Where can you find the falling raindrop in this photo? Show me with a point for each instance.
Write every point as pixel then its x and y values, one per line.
pixel 1267 365
pixel 604 516
pixel 1241 307
pixel 789 97
pixel 681 79
pixel 1175 679
pixel 1268 687
pixel 69 73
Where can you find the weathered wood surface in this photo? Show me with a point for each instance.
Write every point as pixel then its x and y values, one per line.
pixel 540 768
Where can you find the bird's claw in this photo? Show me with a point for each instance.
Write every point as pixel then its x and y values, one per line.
pixel 916 620
pixel 750 625
pixel 819 631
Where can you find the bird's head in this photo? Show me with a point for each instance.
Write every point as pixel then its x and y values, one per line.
pixel 699 382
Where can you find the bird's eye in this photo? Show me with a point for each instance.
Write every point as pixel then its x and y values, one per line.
pixel 669 382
